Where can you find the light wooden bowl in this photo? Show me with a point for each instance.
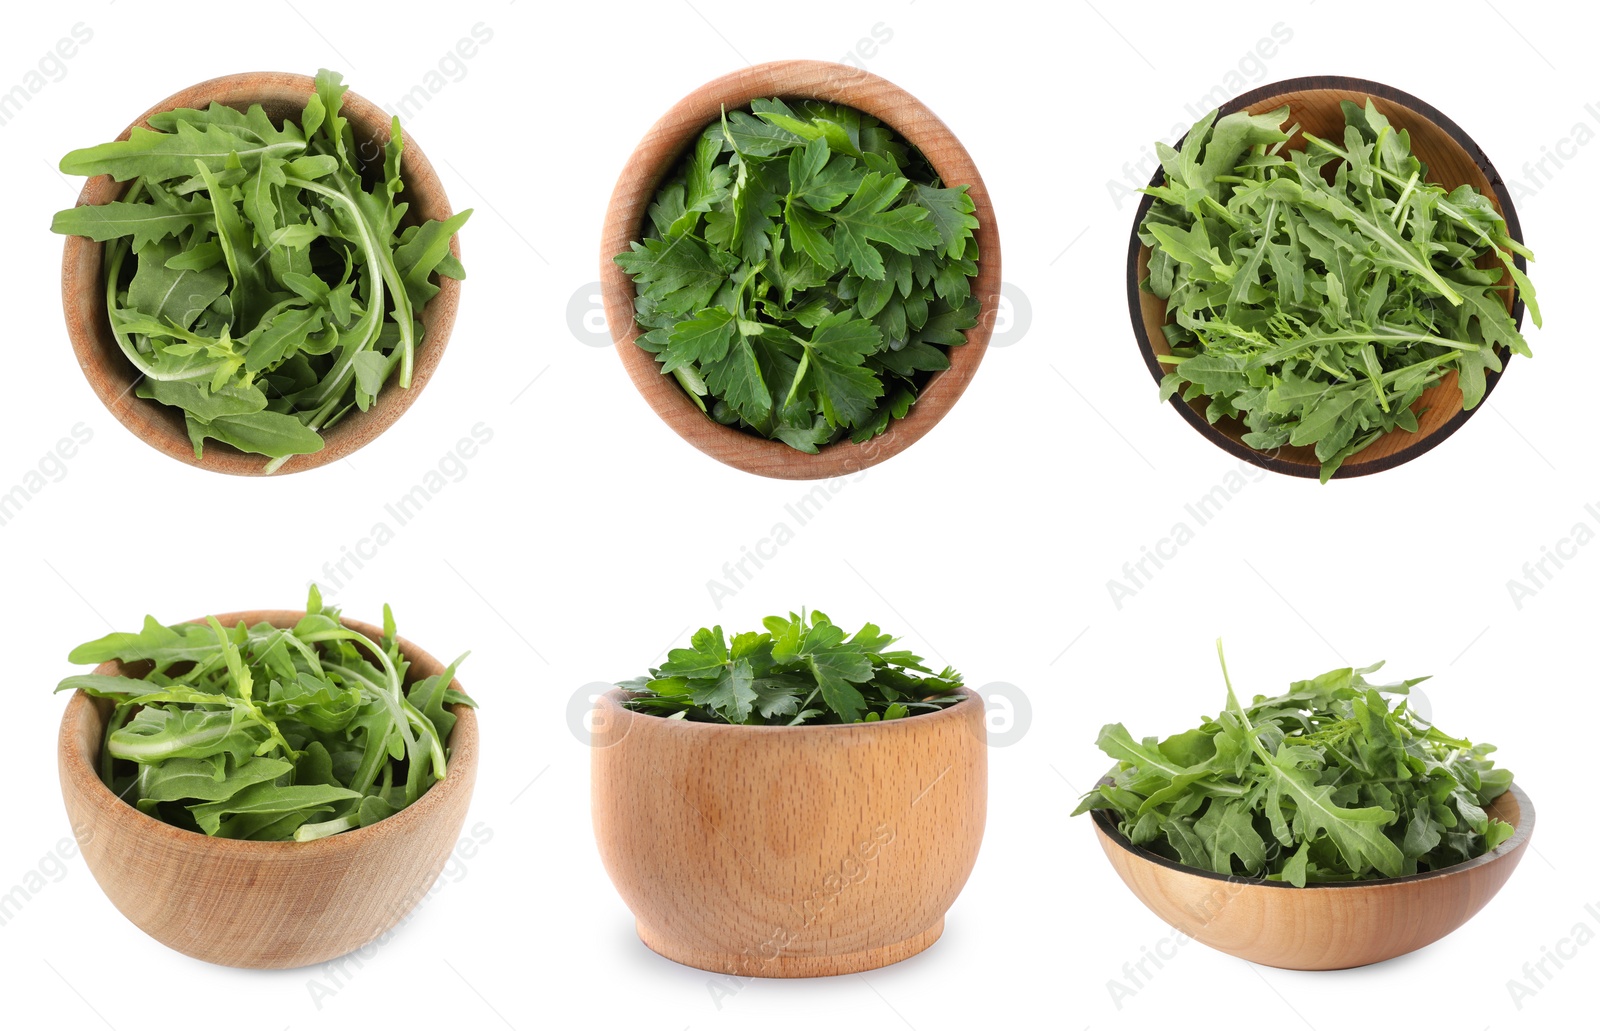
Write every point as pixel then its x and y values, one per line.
pixel 789 851
pixel 658 155
pixel 1321 926
pixel 1451 159
pixel 281 95
pixel 263 904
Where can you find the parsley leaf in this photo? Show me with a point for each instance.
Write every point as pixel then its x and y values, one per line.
pixel 802 669
pixel 831 369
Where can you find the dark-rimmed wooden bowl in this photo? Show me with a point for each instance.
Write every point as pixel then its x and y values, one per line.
pixel 1451 159
pixel 658 155
pixel 283 96
pixel 263 904
pixel 851 840
pixel 1320 926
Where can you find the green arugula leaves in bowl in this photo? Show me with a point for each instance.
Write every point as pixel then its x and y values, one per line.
pixel 1335 780
pixel 803 670
pixel 804 272
pixel 268 733
pixel 260 275
pixel 1319 289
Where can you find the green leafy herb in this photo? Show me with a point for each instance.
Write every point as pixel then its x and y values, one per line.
pixel 803 669
pixel 804 271
pixel 266 733
pixel 258 276
pixel 1328 782
pixel 1316 294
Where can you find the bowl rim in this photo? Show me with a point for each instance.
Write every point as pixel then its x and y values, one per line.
pixel 139 415
pixel 628 206
pixel 1523 831
pixel 1270 460
pixel 92 791
pixel 617 695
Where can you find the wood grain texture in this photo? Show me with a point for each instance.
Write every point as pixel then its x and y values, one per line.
pixel 282 95
pixel 789 851
pixel 1450 157
pixel 263 904
pixel 658 154
pixel 1318 927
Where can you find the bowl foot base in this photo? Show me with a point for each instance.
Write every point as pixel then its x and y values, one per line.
pixel 755 963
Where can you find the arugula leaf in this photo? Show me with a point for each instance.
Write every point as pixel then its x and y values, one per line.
pixel 1329 781
pixel 257 731
pixel 805 273
pixel 265 433
pixel 1316 294
pixel 270 799
pixel 157 734
pixel 160 156
pixel 162 217
pixel 774 678
pixel 244 256
pixel 210 779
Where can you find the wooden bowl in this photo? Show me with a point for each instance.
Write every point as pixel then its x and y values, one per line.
pixel 263 904
pixel 658 155
pixel 1320 926
pixel 1451 159
pixel 281 95
pixel 789 851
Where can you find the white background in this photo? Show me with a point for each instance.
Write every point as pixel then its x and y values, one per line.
pixel 579 543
